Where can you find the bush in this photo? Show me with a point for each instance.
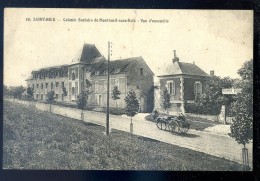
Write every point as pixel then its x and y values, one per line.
pixel 202 109
pixel 117 111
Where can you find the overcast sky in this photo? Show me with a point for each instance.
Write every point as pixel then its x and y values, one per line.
pixel 215 40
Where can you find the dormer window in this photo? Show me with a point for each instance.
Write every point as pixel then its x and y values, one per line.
pixel 105 72
pixel 117 70
pixel 96 72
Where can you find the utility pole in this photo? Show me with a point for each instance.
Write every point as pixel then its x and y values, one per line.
pixel 107 112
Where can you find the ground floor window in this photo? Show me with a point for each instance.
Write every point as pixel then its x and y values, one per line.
pixel 37 96
pixel 197 88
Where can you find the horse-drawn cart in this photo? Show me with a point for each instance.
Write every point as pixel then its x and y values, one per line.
pixel 177 124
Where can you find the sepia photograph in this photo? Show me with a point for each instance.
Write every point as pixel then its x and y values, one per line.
pixel 128 89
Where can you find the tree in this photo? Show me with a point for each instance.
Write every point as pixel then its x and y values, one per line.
pixel 166 100
pixel 242 126
pixel 17 92
pixel 211 100
pixel 116 94
pixel 82 101
pixel 29 92
pixel 132 106
pixel 50 98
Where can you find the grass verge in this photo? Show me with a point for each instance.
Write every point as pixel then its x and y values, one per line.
pixel 33 139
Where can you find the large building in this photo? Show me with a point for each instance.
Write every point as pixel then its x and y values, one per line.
pixel 89 72
pixel 183 82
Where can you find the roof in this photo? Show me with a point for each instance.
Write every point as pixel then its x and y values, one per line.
pixel 123 65
pixel 64 66
pixel 180 68
pixel 29 78
pixel 89 52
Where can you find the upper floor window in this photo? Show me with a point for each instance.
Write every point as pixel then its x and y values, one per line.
pixel 171 87
pixel 57 84
pixel 51 86
pixel 96 72
pixel 96 86
pixel 41 86
pixel 46 85
pixel 197 88
pixel 37 86
pixel 141 71
pixel 62 84
pixel 117 70
pixel 105 72
pixel 73 76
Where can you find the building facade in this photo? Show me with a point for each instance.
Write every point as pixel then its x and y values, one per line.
pixel 183 82
pixel 89 72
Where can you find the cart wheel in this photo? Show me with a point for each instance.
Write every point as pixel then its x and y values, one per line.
pixel 184 130
pixel 159 123
pixel 174 126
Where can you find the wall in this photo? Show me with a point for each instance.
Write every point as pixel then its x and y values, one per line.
pixel 58 90
pixel 189 86
pixel 142 85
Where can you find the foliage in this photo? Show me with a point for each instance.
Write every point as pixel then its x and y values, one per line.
pixel 211 100
pixel 166 100
pixel 29 91
pixel 50 97
pixel 82 99
pixel 116 93
pixel 65 93
pixel 17 92
pixel 132 104
pixel 242 126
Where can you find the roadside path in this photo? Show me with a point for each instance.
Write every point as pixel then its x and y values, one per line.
pixel 212 144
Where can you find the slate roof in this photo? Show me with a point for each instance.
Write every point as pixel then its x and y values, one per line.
pixel 64 66
pixel 181 68
pixel 89 53
pixel 123 65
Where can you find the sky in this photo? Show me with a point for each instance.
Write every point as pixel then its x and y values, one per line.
pixel 219 40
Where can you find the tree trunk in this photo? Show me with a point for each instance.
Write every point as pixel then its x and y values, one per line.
pixel 131 126
pixel 82 115
pixel 245 161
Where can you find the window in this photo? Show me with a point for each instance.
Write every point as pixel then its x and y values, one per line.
pixel 197 88
pixel 57 96
pixel 141 71
pixel 57 84
pixel 76 88
pixel 73 91
pixel 96 86
pixel 51 86
pixel 62 84
pixel 41 96
pixel 171 87
pixel 105 85
pixel 73 76
pixel 37 96
pixel 96 72
pixel 105 72
pixel 117 83
pixel 37 86
pixel 33 86
pixel 46 85
pixel 117 70
pixel 77 72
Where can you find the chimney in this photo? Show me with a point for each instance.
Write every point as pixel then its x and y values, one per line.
pixel 211 73
pixel 175 58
